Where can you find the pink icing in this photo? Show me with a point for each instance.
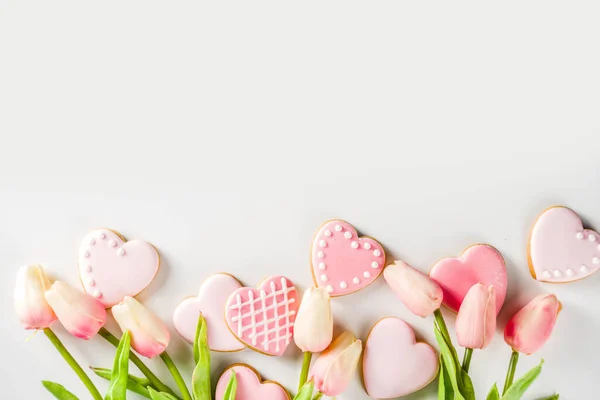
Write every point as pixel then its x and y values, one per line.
pixel 342 262
pixel 111 269
pixel 249 385
pixel 211 300
pixel 264 318
pixel 394 364
pixel 560 250
pixel 479 263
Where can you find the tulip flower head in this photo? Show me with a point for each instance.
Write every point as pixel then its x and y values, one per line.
pixel 334 368
pixel 476 320
pixel 313 328
pixel 419 293
pixel 31 306
pixel 149 334
pixel 530 328
pixel 81 314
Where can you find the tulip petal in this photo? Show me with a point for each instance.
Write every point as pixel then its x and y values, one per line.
pixel 340 371
pixel 31 305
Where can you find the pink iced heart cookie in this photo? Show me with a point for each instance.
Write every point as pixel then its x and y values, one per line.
pixel 560 249
pixel 342 262
pixel 394 364
pixel 111 268
pixel 480 263
pixel 210 302
pixel 263 318
pixel 250 386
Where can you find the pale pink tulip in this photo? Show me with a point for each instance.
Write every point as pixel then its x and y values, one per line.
pixel 31 306
pixel 476 320
pixel 419 293
pixel 313 328
pixel 81 314
pixel 531 327
pixel 334 368
pixel 149 334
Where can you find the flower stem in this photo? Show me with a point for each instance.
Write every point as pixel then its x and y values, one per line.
pixel 439 320
pixel 176 375
pixel 73 364
pixel 305 367
pixel 510 374
pixel 158 385
pixel 467 359
pixel 318 396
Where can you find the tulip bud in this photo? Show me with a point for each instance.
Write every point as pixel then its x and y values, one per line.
pixel 81 314
pixel 31 306
pixel 313 329
pixel 419 293
pixel 476 320
pixel 334 368
pixel 149 334
pixel 531 327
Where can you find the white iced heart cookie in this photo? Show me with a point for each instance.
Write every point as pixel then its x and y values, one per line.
pixel 111 268
pixel 210 302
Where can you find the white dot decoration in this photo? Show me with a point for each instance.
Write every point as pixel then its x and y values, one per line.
pixel 367 274
pixel 376 253
pixel 348 235
pixel 592 238
pixel 320 254
pixel 596 260
pixel 324 278
pixel 343 285
pixel 322 243
pixel 121 252
pixel 583 268
pixel 570 272
pixel 97 294
pixel 88 268
pixel 330 288
pixel 91 282
pixel 547 274
pixel 354 245
pixel 327 233
pixel 87 254
pixel 356 281
pixel 367 246
pixel 557 273
pixel 374 264
pixel 338 228
pixel 322 266
pixel 579 235
pixel 103 236
pixel 112 243
pixel 92 242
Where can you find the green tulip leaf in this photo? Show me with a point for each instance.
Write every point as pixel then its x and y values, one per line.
pixel 466 385
pixel 201 388
pixel 231 388
pixel 197 338
pixel 306 391
pixel 117 389
pixel 451 365
pixel 553 397
pixel 154 395
pixel 518 388
pixel 494 394
pixel 135 384
pixel 445 390
pixel 59 391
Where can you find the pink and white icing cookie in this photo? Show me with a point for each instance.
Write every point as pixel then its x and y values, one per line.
pixel 250 386
pixel 110 268
pixel 394 363
pixel 560 250
pixel 480 263
pixel 263 319
pixel 210 302
pixel 341 261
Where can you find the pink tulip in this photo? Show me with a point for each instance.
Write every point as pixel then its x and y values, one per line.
pixel 334 368
pixel 31 306
pixel 419 293
pixel 531 327
pixel 476 320
pixel 313 328
pixel 81 314
pixel 149 334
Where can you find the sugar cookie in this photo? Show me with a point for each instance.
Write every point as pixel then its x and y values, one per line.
pixel 341 261
pixel 560 250
pixel 263 318
pixel 210 302
pixel 111 268
pixel 394 363
pixel 480 263
pixel 250 386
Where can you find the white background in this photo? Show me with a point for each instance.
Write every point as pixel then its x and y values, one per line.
pixel 225 133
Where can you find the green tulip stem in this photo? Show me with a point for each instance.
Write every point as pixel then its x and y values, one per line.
pixel 467 359
pixel 112 339
pixel 176 375
pixel 510 374
pixel 318 396
pixel 305 368
pixel 73 364
pixel 439 320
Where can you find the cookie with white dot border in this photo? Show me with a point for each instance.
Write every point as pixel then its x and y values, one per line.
pixel 111 268
pixel 560 249
pixel 343 262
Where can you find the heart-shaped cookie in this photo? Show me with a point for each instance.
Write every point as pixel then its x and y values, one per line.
pixel 111 268
pixel 263 318
pixel 250 386
pixel 341 261
pixel 210 302
pixel 394 363
pixel 480 263
pixel 560 250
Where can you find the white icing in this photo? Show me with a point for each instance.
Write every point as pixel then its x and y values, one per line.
pixel 579 235
pixel 330 288
pixel 596 260
pixel 547 274
pixel 592 238
pixel 570 272
pixel 121 252
pixel 367 274
pixel 102 235
pixel 374 264
pixel 354 245
pixel 376 253
pixel 583 268
pixel 87 254
pixel 97 294
pixel 322 243
pixel 88 268
pixel 356 281
pixel 92 242
pixel 322 266
pixel 348 235
pixel 324 278
pixel 338 228
pixel 557 273
pixel 320 254
pixel 367 246
pixel 343 285
pixel 112 243
pixel 91 282
pixel 327 233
